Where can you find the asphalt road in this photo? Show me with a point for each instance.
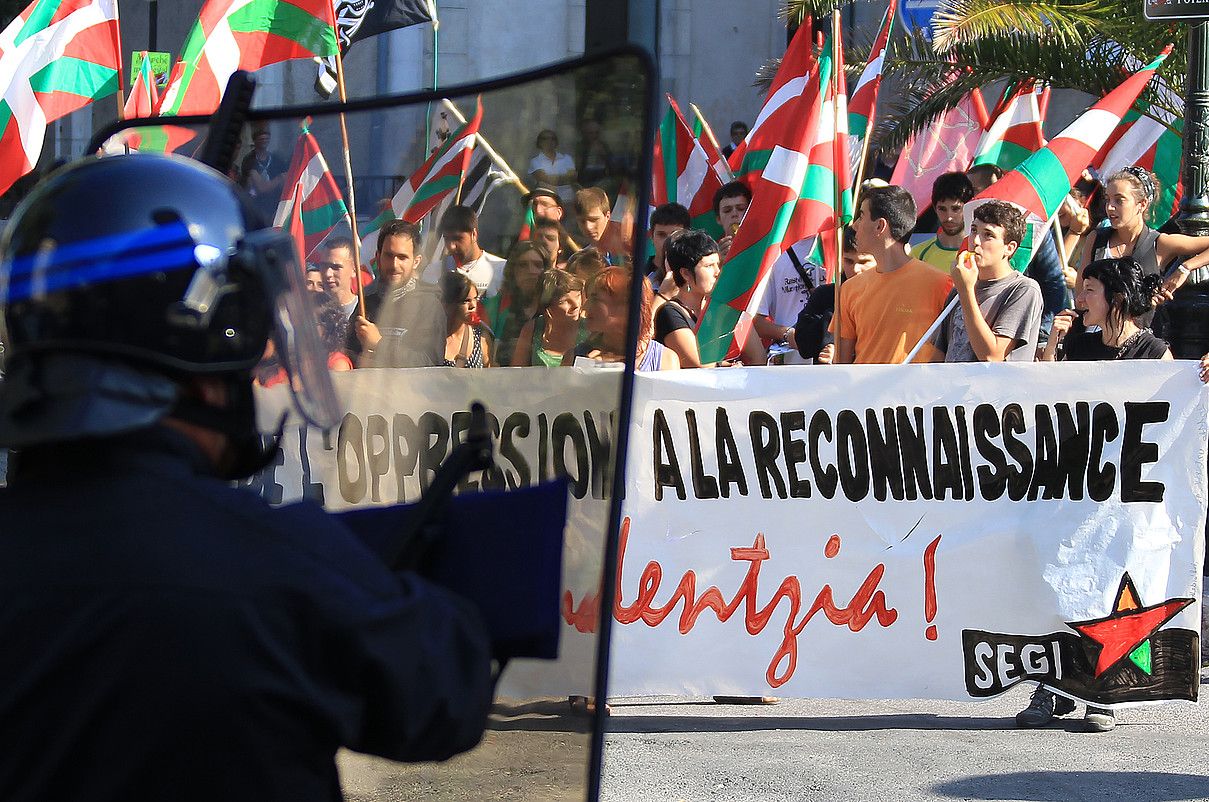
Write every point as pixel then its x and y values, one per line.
pixel 819 749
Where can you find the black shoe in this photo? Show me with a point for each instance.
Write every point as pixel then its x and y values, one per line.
pixel 1042 708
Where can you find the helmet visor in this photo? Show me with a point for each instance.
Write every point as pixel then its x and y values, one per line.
pixel 297 338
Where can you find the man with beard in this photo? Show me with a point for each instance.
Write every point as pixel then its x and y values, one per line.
pixel 404 322
pixel 950 193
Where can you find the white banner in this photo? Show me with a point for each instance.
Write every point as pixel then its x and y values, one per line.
pixel 942 531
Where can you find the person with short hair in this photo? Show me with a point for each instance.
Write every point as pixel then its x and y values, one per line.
pixel 999 316
pixel 314 278
pixel 263 172
pixel 950 193
pixel 593 157
pixel 592 213
pixel 586 263
pixel 555 238
pixel 665 220
pixel 459 228
pixel 545 203
pixel 883 313
pixel 813 340
pixel 404 323
pixel 738 132
pixel 692 259
pixel 983 175
pixel 730 204
pixel 340 271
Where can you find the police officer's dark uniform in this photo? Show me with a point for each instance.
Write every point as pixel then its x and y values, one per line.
pixel 165 635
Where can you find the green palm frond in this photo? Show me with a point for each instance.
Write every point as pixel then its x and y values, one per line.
pixel 798 11
pixel 927 81
pixel 962 21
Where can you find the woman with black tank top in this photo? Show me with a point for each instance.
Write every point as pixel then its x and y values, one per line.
pixel 1129 195
pixel 1114 294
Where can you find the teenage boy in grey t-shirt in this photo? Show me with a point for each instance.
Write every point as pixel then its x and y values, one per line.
pixel 999 317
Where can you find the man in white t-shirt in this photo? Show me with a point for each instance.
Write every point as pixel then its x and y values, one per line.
pixel 460 231
pixel 791 280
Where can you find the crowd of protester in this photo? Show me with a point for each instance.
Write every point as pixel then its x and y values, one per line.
pixel 955 295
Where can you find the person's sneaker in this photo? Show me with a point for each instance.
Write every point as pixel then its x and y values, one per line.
pixel 1042 708
pixel 1098 719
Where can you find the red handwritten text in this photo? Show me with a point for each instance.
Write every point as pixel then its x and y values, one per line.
pixel 867 603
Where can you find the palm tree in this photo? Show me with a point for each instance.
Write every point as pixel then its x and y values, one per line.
pixel 1089 45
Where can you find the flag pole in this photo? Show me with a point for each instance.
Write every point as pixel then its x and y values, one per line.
pixel 709 132
pixel 837 192
pixel 348 170
pixel 490 151
pixel 117 34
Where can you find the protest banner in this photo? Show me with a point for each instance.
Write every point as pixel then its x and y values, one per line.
pixel 936 532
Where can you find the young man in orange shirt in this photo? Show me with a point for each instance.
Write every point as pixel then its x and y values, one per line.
pixel 882 314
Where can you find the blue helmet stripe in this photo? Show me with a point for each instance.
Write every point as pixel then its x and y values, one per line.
pixel 99 249
pixel 94 272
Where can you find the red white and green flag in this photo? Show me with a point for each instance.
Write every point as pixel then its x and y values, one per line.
pixel 1152 138
pixel 703 134
pixel 57 56
pixel 440 175
pixel 619 233
pixel 369 240
pixel 1038 186
pixel 862 103
pixel 295 222
pixel 310 181
pixel 232 35
pixel 776 164
pixel 946 145
pixel 794 81
pixel 827 205
pixel 683 172
pixel 144 96
pixel 1015 132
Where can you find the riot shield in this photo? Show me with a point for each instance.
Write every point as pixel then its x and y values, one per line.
pixel 486 249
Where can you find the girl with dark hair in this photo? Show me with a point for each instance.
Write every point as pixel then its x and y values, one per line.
pixel 518 299
pixel 467 344
pixel 1113 294
pixel 555 330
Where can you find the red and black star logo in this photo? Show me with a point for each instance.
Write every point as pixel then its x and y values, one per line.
pixel 1126 631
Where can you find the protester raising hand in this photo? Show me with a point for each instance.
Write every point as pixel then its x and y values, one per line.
pixel 1063 322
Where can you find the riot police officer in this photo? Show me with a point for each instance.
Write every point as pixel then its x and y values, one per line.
pixel 165 634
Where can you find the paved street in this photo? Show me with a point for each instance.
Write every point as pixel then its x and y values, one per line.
pixel 664 749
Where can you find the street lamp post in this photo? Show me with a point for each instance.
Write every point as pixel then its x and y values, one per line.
pixel 1188 313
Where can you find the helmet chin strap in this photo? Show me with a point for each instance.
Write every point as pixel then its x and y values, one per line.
pixel 247 452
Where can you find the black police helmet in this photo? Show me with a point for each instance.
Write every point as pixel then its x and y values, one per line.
pixel 121 275
pixel 101 256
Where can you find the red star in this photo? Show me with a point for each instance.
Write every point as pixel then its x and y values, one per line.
pixel 1127 626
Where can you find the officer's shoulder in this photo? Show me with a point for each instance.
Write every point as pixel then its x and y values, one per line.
pixel 305 537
